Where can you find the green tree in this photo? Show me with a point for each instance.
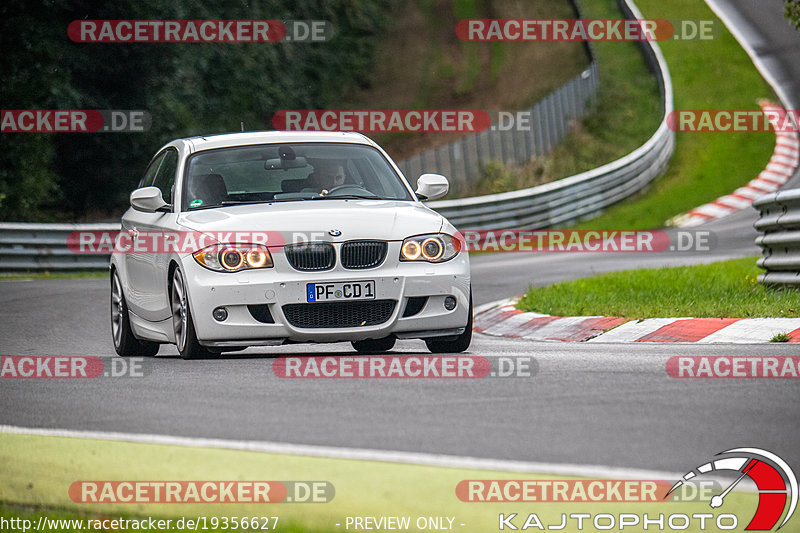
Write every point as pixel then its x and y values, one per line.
pixel 189 89
pixel 792 12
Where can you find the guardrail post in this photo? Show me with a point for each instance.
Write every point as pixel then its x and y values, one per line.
pixel 779 221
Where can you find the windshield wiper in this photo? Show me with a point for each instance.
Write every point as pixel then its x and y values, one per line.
pixel 243 202
pixel 226 203
pixel 348 197
pixel 247 202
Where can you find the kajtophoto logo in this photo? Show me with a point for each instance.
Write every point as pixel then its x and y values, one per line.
pixel 774 479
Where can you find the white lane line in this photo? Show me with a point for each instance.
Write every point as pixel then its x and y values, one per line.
pixel 361 454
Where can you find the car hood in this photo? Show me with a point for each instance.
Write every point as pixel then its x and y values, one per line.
pixel 312 220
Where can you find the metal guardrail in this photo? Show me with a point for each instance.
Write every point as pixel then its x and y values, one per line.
pixel 44 247
pixel 780 244
pixel 583 195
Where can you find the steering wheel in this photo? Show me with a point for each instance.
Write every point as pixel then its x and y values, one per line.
pixel 357 188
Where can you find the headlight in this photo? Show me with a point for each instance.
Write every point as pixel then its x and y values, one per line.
pixel 435 248
pixel 233 257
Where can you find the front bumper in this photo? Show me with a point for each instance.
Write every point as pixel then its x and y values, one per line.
pixel 281 285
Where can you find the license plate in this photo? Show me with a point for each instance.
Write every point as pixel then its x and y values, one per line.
pixel 349 290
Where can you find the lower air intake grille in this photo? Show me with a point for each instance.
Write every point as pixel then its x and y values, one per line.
pixel 414 305
pixel 339 314
pixel 261 313
pixel 310 257
pixel 363 254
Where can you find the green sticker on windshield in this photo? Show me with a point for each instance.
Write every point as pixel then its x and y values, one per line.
pixel 196 203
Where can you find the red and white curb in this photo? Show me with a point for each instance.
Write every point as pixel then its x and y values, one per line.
pixel 503 319
pixel 784 161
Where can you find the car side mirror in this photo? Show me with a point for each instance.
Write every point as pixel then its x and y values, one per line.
pixel 432 186
pixel 148 199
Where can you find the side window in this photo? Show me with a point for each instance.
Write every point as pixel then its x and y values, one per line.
pixel 165 177
pixel 152 169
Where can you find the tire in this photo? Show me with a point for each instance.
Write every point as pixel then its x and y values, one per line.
pixel 374 345
pixel 456 344
pixel 125 343
pixel 182 323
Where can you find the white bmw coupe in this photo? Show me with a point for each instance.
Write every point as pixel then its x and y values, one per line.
pixel 255 239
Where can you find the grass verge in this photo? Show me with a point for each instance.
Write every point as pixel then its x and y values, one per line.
pixel 714 74
pixel 37 472
pixel 727 289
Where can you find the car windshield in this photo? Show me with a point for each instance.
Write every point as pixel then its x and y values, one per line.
pixel 289 172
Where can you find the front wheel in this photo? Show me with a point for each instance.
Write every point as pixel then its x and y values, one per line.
pixel 125 343
pixel 456 344
pixel 182 323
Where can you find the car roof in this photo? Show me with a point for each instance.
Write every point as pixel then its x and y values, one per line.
pixel 225 140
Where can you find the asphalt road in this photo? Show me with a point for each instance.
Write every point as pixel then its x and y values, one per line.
pixel 589 404
pixel 596 404
pixel 772 39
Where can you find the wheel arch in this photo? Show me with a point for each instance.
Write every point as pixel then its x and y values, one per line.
pixel 173 265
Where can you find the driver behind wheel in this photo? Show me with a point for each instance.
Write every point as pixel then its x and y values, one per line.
pixel 327 175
